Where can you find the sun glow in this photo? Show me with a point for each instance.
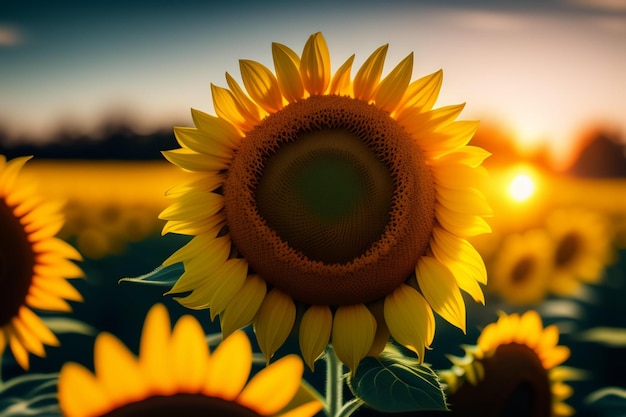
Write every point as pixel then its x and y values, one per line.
pixel 521 187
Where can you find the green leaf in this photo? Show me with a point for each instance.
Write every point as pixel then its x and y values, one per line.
pixel 163 276
pixel 395 383
pixel 607 401
pixel 609 336
pixel 66 325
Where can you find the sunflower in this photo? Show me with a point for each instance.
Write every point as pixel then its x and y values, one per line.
pixel 514 366
pixel 347 200
pixel 176 375
pixel 582 248
pixel 34 265
pixel 519 271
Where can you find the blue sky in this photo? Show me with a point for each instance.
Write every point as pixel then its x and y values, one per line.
pixel 545 69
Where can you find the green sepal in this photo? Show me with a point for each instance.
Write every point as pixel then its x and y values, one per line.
pixel 393 382
pixel 162 276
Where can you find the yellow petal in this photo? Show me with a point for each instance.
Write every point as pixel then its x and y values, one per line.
pixel 410 319
pixel 9 173
pixel 261 85
pixel 366 79
pixel 229 367
pixel 17 347
pixel 461 224
pixel 154 355
pixel 216 129
pixel 530 328
pixel 315 64
pixel 59 287
pixel 213 250
pixel 469 201
pixel 26 337
pixel 80 394
pixel 251 112
pixel 459 255
pixel 117 370
pixel 315 328
pixel 58 247
pixel 243 306
pixel 423 92
pixel 449 138
pixel 340 84
pixel 233 275
pixel 441 290
pixel 40 299
pixel 227 108
pixel 191 161
pixel 555 356
pixel 354 328
pixel 37 326
pixel 271 389
pixel 421 124
pixel 193 206
pixel 198 141
pixel 188 355
pixel 287 66
pixel 274 321
pixel 393 86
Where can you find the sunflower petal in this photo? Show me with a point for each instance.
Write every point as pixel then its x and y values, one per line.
pixel 216 129
pixel 340 83
pixel 261 85
pixel 233 275
pixel 80 393
pixel 367 77
pixel 274 321
pixel 441 290
pixel 154 356
pixel 229 367
pixel 354 329
pixel 226 108
pixel 123 382
pixel 315 64
pixel 410 319
pixel 251 112
pixel 315 328
pixel 393 86
pixel 9 173
pixel 287 66
pixel 458 253
pixel 423 92
pixel 271 389
pixel 189 354
pixel 191 161
pixel 243 306
pixel 198 141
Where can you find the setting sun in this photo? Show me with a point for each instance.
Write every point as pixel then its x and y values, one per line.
pixel 521 187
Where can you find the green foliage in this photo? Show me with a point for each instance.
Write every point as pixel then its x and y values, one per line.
pixel 395 383
pixel 163 276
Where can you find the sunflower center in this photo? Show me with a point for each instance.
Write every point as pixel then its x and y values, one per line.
pixel 327 195
pixel 567 249
pixel 182 405
pixel 515 383
pixel 522 270
pixel 330 200
pixel 17 261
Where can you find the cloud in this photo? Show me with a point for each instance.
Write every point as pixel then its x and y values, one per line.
pixel 10 36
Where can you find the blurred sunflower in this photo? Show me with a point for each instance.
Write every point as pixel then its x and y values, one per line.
pixel 512 370
pixel 351 197
pixel 34 265
pixel 176 375
pixel 582 248
pixel 519 271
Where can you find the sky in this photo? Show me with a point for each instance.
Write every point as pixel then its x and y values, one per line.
pixel 544 69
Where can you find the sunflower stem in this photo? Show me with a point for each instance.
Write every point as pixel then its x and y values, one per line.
pixel 334 383
pixel 350 407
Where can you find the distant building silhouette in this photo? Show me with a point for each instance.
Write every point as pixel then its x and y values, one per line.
pixel 603 157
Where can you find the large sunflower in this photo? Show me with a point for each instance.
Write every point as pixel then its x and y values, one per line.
pixel 512 370
pixel 34 265
pixel 582 248
pixel 520 270
pixel 176 375
pixel 351 198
